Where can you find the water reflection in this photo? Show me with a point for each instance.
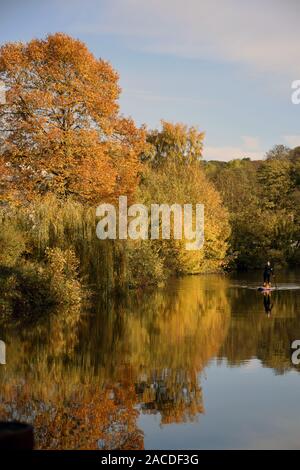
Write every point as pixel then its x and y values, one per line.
pixel 268 305
pixel 83 378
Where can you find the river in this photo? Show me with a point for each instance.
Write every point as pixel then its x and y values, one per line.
pixel 203 363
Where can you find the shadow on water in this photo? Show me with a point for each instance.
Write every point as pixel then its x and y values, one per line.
pixel 83 379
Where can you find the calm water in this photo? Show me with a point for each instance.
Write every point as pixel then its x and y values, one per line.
pixel 202 363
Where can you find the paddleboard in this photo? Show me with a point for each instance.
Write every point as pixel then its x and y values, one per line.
pixel 266 289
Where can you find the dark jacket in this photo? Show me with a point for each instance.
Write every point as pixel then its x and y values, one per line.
pixel 268 270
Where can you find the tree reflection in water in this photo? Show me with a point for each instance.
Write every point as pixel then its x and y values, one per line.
pixel 83 378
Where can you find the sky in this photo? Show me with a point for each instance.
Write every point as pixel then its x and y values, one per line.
pixel 224 66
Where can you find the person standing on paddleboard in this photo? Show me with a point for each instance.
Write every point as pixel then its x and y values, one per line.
pixel 268 272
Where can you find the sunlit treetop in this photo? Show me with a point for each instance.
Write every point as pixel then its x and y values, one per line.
pixel 60 127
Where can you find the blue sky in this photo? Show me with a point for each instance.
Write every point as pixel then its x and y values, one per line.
pixel 225 66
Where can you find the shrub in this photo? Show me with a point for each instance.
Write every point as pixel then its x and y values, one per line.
pixel 145 267
pixel 33 288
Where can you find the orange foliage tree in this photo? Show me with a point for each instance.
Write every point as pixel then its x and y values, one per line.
pixel 60 127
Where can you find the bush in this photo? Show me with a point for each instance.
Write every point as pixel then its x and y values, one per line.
pixel 33 288
pixel 145 267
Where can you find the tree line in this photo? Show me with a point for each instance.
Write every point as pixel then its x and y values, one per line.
pixel 65 147
pixel 262 198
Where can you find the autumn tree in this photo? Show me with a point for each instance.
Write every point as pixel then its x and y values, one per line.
pixel 174 141
pixel 60 127
pixel 7 187
pixel 176 175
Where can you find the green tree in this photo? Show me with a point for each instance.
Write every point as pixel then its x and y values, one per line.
pixel 274 178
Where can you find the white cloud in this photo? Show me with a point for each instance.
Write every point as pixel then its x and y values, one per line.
pixel 264 34
pixel 249 148
pixel 230 153
pixel 292 140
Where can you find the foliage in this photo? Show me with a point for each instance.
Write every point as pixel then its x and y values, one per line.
pixel 145 265
pixel 174 141
pixel 66 147
pixel 63 272
pixel 274 180
pixel 174 177
pixel 278 152
pixel 30 289
pixel 60 127
pixel 263 203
